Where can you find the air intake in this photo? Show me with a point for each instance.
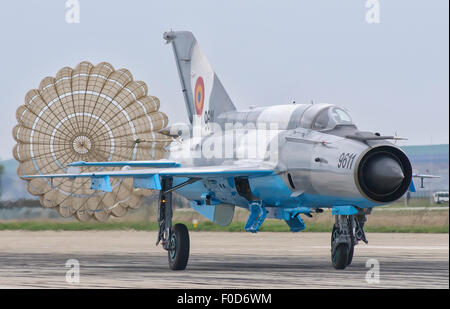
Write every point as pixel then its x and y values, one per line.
pixel 384 174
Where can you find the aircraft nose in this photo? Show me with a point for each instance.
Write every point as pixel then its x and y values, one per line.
pixel 383 174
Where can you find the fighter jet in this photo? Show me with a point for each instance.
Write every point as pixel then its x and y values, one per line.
pixel 281 161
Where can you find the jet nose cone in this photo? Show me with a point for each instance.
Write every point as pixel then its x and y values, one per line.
pixel 383 174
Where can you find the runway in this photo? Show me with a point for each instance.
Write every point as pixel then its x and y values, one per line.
pixel 129 259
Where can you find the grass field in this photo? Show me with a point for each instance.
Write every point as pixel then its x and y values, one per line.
pixel 382 219
pixel 422 221
pixel 268 226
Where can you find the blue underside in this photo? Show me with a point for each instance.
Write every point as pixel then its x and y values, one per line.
pixel 274 194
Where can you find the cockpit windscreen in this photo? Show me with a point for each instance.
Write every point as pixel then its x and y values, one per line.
pixel 330 117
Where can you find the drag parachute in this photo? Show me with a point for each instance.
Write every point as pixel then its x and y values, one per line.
pixel 90 113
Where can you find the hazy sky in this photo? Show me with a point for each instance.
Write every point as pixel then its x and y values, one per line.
pixel 393 76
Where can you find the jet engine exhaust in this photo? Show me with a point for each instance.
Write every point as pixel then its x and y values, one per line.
pixel 384 174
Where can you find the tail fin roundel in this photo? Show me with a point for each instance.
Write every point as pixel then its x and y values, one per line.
pixel 203 93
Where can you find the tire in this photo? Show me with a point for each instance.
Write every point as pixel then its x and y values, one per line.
pixel 339 259
pixel 342 252
pixel 350 255
pixel 179 256
pixel 350 252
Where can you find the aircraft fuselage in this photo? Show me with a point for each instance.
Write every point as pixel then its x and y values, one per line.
pixel 312 167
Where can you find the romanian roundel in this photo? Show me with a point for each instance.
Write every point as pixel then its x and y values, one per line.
pixel 199 95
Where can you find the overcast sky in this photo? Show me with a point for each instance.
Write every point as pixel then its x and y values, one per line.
pixel 393 75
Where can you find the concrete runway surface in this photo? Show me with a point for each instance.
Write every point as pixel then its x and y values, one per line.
pixel 129 259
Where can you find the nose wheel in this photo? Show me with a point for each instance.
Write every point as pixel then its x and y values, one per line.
pixel 347 231
pixel 340 247
pixel 340 256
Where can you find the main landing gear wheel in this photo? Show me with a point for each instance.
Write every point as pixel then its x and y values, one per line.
pixel 179 247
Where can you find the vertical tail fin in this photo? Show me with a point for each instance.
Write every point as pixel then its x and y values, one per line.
pixel 204 95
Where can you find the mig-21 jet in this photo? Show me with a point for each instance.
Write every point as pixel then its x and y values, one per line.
pixel 281 161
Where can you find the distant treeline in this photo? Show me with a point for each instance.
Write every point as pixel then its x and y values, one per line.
pixel 20 203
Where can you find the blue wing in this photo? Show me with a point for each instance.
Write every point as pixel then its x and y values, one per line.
pixel 150 178
pixel 158 163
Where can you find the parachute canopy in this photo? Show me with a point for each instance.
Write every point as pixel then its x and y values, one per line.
pixel 90 113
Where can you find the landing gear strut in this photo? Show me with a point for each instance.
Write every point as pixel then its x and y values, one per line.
pixel 173 239
pixel 347 231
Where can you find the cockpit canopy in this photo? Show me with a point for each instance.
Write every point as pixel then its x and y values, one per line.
pixel 323 117
pixel 330 117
